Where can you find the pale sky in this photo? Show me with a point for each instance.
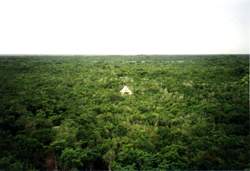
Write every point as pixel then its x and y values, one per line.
pixel 124 26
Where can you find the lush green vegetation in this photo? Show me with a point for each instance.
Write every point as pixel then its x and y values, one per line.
pixel 186 112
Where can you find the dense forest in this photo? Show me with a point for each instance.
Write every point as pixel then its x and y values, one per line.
pixel 67 113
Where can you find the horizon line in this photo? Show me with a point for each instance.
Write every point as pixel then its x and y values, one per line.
pixel 139 54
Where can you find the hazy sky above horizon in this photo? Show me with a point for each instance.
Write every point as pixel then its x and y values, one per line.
pixel 124 26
